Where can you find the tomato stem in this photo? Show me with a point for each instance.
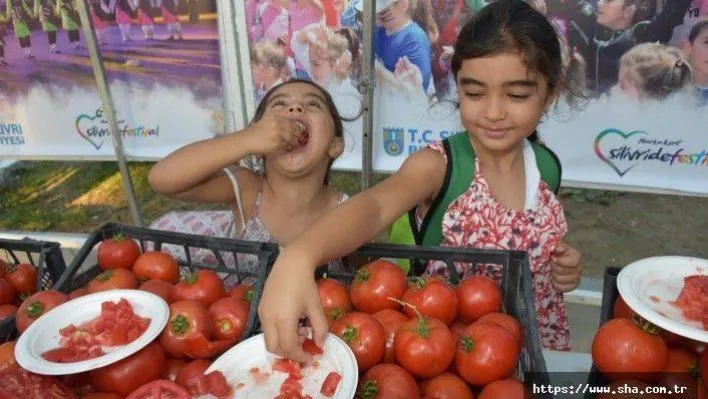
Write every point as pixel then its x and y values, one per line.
pixel 179 324
pixel 334 313
pixel 226 325
pixel 418 282
pixel 422 329
pixel 105 276
pixel 24 296
pixel 646 326
pixel 191 278
pixel 362 275
pixel 368 390
pixel 119 237
pixel 35 309
pixel 349 335
pixel 467 344
pixel 249 294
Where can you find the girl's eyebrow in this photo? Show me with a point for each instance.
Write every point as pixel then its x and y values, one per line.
pixel 466 81
pixel 277 96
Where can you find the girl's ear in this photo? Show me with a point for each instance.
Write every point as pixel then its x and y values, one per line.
pixel 337 147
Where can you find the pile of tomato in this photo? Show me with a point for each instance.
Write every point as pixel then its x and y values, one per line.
pixel 630 351
pixel 205 320
pixel 17 282
pixel 422 337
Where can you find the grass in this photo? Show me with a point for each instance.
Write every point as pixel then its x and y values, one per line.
pixel 81 196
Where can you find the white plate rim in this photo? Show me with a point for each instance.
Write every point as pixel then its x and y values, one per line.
pixel 349 392
pixel 159 314
pixel 632 271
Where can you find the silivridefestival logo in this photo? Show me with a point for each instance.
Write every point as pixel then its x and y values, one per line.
pixel 94 129
pixel 623 151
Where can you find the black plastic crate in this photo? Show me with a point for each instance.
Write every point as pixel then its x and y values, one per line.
pixel 518 298
pixel 79 273
pixel 45 256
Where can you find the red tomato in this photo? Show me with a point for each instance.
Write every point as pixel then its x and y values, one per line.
pixel 116 279
pixel 7 356
pixel 18 383
pixel 375 283
pixel 681 361
pixel 160 389
pixel 508 322
pixel 101 395
pixel 37 305
pixel 172 368
pixel 230 317
pixel 334 298
pixel 159 288
pixel 486 353
pixel 214 384
pixel 507 389
pixel 242 292
pixel 156 265
pixel 690 384
pixel 628 386
pixel 186 319
pixel 446 386
pixel 3 268
pixel 23 278
pixel 433 297
pixel 696 347
pixel 703 366
pixel 7 293
pixel 117 252
pixel 129 374
pixel 391 320
pixel 387 381
pixel 191 372
pixel 621 346
pixel 621 310
pixel 79 292
pixel 477 296
pixel 204 286
pixel 364 335
pixel 424 347
pixel 330 384
pixel 457 330
pixel 7 311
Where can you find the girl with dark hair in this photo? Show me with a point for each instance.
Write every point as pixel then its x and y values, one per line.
pixel 299 133
pixel 508 68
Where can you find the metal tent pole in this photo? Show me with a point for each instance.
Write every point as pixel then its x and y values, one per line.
pixel 109 110
pixel 367 86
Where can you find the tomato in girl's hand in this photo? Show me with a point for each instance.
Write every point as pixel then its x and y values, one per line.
pixel 433 297
pixel 115 279
pixel 156 265
pixel 477 296
pixel 117 252
pixel 364 335
pixel 374 284
pixel 391 320
pixel 36 306
pixel 387 381
pixel 204 286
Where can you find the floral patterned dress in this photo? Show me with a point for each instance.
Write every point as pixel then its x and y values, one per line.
pixel 476 219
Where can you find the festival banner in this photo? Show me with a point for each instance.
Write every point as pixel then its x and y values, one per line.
pixel 162 60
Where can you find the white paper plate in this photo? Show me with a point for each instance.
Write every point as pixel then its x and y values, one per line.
pixel 238 361
pixel 43 334
pixel 650 285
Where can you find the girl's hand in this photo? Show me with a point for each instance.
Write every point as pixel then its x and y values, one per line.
pixel 289 293
pixel 567 267
pixel 275 133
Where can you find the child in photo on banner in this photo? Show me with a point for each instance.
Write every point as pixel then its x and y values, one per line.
pixel 45 10
pixel 145 8
pixel 272 20
pixel 101 19
pixel 170 16
pixel 302 14
pixel 70 22
pixel 19 13
pixel 299 134
pixel 123 10
pixel 654 71
pixel 268 62
pixel 696 11
pixel 508 68
pixel 3 32
pixel 698 52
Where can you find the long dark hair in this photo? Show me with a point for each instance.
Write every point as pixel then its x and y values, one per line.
pixel 331 107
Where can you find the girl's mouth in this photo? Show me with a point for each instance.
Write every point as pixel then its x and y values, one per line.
pixel 304 137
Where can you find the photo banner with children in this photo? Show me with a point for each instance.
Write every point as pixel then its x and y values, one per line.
pixel 633 112
pixel 162 62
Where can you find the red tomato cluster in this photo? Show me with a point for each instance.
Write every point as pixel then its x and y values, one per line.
pixel 630 350
pixel 204 321
pixel 17 283
pixel 424 338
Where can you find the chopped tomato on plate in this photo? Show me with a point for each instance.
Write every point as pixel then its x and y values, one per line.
pixel 330 384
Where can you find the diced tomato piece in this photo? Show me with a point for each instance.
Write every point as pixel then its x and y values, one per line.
pixel 330 384
pixel 291 385
pixel 119 335
pixel 57 355
pixel 310 347
pixel 68 330
pixel 108 306
pixel 288 366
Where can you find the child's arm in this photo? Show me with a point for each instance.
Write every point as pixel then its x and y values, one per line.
pixel 194 172
pixel 291 290
pixel 26 7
